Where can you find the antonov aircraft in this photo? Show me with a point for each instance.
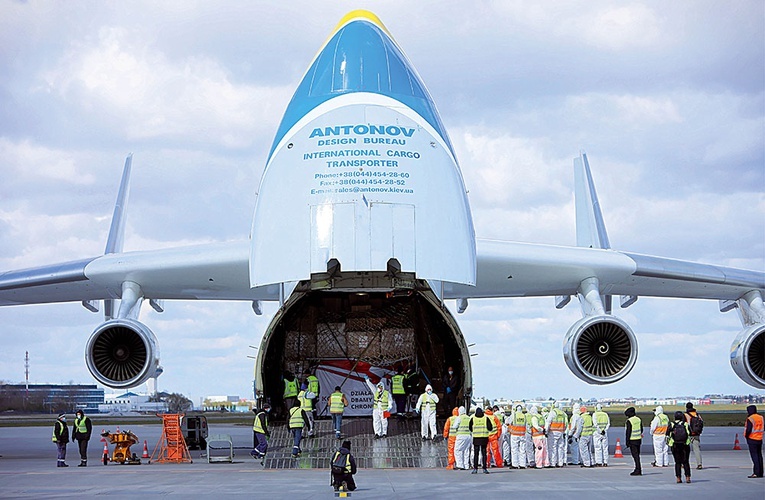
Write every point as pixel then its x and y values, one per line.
pixel 362 230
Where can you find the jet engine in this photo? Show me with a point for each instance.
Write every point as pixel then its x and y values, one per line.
pixel 747 356
pixel 122 353
pixel 600 349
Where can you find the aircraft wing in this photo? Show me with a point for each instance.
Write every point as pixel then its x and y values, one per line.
pixel 215 271
pixel 510 269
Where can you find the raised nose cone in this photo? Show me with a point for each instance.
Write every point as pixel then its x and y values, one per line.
pixel 360 56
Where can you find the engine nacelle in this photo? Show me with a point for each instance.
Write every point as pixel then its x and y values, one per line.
pixel 122 353
pixel 600 349
pixel 747 356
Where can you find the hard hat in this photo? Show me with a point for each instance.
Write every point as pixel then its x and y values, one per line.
pixel 598 407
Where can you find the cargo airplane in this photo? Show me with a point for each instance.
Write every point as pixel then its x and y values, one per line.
pixel 362 230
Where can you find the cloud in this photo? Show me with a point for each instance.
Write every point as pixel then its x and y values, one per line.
pixel 146 95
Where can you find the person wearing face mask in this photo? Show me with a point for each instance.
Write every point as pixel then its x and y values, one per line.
pixel 260 432
pixel 556 424
pixel 382 404
pixel 426 407
pixel 518 422
pixel 480 427
pixel 659 426
pixel 584 431
pixel 61 438
pixel 633 429
pixel 602 422
pixel 463 440
pixel 573 437
pixel 538 435
pixel 451 383
pixel 450 433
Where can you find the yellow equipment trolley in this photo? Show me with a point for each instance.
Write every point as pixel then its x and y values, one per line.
pixel 122 442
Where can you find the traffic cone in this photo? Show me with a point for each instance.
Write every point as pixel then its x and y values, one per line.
pixel 106 453
pixel 618 452
pixel 736 444
pixel 145 450
pixel 103 439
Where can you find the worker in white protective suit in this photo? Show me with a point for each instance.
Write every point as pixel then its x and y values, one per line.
pixel 602 422
pixel 659 426
pixel 506 452
pixel 573 437
pixel 518 438
pixel 540 440
pixel 584 429
pixel 382 404
pixel 426 407
pixel 555 425
pixel 529 440
pixel 463 442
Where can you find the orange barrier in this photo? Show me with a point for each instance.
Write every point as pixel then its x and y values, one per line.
pixel 618 452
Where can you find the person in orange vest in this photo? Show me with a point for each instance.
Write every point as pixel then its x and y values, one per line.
pixel 538 435
pixel 450 433
pixel 493 452
pixel 755 424
pixel 518 424
pixel 659 432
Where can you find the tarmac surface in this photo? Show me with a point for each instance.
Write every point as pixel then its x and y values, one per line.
pixel 28 470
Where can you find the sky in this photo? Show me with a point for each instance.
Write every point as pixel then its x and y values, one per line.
pixel 666 98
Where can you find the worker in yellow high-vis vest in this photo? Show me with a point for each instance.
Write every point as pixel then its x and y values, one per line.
pixel 633 428
pixel 659 426
pixel 81 431
pixel 480 427
pixel 337 404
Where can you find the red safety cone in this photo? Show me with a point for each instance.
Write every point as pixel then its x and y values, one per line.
pixel 145 450
pixel 106 453
pixel 618 451
pixel 736 444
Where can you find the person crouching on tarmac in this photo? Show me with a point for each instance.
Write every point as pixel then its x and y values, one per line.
pixel 450 433
pixel 298 419
pixel 659 426
pixel 426 407
pixel 493 452
pixel 383 402
pixel 538 435
pixel 602 422
pixel 462 441
pixel 480 427
pixel 343 467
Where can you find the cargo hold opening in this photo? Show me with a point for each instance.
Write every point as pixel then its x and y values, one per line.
pixel 384 329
